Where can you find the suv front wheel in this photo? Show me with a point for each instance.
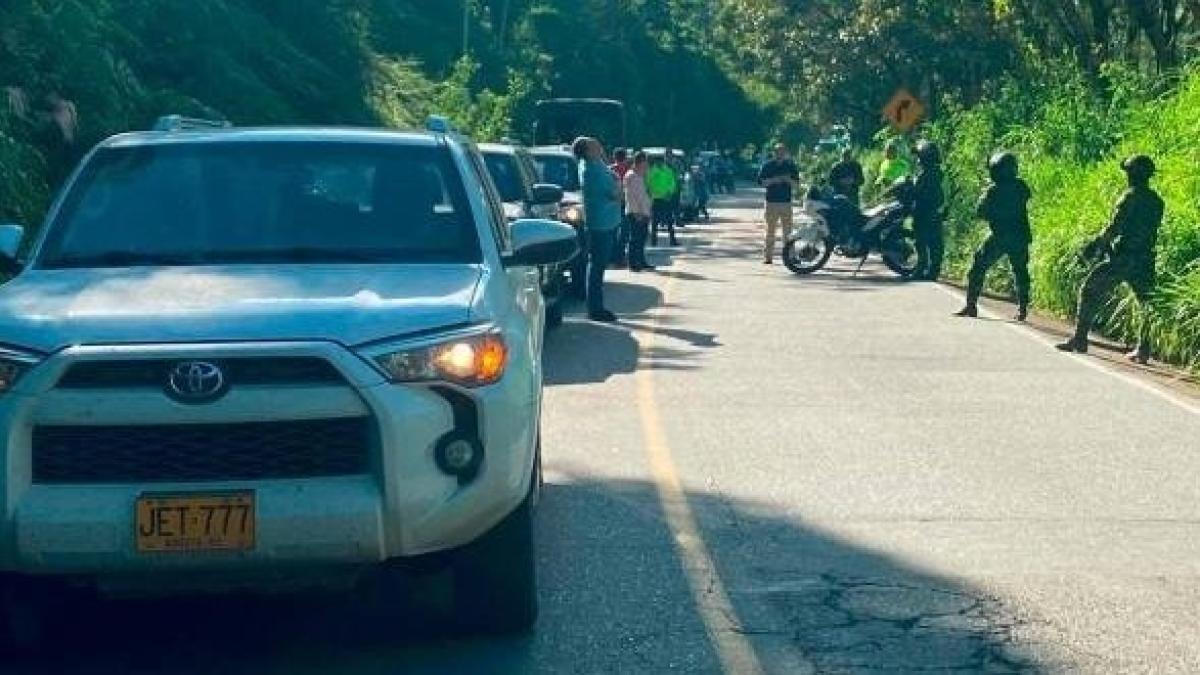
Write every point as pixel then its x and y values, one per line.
pixel 495 586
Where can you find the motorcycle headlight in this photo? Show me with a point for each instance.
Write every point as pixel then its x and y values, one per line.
pixel 12 366
pixel 471 361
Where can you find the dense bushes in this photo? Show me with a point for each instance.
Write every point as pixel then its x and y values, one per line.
pixel 75 71
pixel 1071 137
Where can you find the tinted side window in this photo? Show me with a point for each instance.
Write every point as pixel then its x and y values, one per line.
pixel 509 176
pixel 560 170
pixel 528 168
pixel 491 198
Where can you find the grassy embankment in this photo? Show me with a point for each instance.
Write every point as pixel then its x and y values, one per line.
pixel 1070 143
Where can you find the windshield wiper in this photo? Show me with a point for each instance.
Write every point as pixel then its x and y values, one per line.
pixel 120 259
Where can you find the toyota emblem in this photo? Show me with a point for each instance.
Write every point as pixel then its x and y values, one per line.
pixel 196 382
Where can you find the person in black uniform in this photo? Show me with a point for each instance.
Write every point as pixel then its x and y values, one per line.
pixel 1005 207
pixel 927 212
pixel 847 178
pixel 1126 253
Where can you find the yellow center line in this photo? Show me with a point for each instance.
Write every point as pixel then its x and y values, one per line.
pixel 708 592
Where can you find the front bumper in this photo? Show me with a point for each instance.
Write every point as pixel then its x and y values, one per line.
pixel 402 505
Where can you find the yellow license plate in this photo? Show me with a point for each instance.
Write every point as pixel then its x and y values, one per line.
pixel 199 522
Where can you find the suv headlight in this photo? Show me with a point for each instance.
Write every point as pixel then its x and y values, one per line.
pixel 572 214
pixel 12 366
pixel 469 360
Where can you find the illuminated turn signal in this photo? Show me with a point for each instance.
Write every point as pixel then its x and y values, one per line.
pixel 493 357
pixel 471 361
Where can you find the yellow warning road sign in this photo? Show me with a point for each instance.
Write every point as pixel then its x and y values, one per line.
pixel 904 111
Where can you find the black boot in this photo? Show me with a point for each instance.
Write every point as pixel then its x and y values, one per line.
pixel 970 311
pixel 1074 345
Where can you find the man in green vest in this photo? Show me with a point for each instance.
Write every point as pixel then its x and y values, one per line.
pixel 662 186
pixel 894 167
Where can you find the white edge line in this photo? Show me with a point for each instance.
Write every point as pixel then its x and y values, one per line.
pixel 1091 363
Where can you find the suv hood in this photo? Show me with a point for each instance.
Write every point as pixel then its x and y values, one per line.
pixel 48 310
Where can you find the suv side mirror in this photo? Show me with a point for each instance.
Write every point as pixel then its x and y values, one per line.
pixel 11 236
pixel 541 242
pixel 546 193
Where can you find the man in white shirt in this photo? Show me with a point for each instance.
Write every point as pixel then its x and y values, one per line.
pixel 638 212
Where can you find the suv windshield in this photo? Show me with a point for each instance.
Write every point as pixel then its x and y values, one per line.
pixel 273 202
pixel 561 170
pixel 506 174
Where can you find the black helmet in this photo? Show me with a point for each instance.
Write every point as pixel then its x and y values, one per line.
pixel 928 153
pixel 1140 168
pixel 1003 166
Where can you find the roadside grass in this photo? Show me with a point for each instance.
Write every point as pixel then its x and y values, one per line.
pixel 1070 156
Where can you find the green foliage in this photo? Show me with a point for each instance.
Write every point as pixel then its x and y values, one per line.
pixel 23 187
pixel 1070 146
pixel 119 64
pixel 842 60
pixel 484 113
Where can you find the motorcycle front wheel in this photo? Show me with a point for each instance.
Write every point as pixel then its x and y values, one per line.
pixel 899 253
pixel 804 255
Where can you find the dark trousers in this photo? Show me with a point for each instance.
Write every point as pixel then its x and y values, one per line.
pixel 622 242
pixel 601 244
pixel 639 229
pixel 931 247
pixel 989 254
pixel 1099 285
pixel 664 216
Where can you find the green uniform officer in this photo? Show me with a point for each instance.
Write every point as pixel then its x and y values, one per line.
pixel 929 199
pixel 1126 251
pixel 1005 207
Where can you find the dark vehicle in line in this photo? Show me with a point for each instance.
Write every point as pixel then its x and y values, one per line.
pixel 556 164
pixel 525 195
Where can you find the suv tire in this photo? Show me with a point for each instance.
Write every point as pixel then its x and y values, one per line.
pixel 495 586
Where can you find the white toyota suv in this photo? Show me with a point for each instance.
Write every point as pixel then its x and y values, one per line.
pixel 242 358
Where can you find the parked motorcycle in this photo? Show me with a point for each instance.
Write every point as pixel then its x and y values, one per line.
pixel 836 226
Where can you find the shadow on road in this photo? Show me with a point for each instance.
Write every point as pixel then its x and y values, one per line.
pixel 691 337
pixel 615 599
pixel 581 351
pixel 629 298
pixel 685 276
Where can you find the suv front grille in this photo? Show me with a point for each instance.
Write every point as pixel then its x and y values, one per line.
pixel 153 373
pixel 201 452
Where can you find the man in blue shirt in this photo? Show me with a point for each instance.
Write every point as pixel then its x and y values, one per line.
pixel 602 216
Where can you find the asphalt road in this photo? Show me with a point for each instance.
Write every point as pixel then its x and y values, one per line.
pixel 755 472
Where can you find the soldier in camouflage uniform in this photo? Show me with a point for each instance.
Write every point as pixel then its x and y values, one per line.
pixel 930 198
pixel 1005 207
pixel 1126 253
